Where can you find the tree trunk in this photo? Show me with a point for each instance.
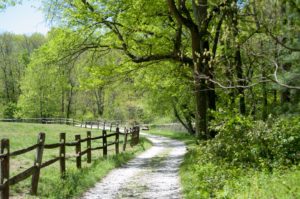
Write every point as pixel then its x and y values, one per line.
pixel 241 81
pixel 6 85
pixel 99 95
pixel 238 63
pixel 211 94
pixel 200 47
pixel 186 124
pixel 274 97
pixel 62 102
pixel 265 97
pixel 70 100
pixel 200 85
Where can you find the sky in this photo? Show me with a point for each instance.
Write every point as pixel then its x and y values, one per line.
pixel 23 19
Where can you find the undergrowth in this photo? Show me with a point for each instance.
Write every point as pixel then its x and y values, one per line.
pixel 247 159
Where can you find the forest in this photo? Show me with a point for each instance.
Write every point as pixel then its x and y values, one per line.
pixel 227 70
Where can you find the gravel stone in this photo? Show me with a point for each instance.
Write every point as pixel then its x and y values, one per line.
pixel 151 175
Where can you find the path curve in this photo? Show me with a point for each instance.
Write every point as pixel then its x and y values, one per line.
pixel 151 175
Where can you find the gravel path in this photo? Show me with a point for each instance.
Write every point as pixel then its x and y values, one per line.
pixel 153 174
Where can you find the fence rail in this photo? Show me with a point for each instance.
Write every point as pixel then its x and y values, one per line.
pixel 69 121
pixel 34 171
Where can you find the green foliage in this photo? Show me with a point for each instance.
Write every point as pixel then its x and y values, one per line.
pixel 6 3
pixel 206 175
pixel 279 184
pixel 41 92
pixel 15 57
pixel 10 110
pixel 203 177
pixel 243 141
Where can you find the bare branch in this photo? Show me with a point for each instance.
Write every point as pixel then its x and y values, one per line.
pixel 280 83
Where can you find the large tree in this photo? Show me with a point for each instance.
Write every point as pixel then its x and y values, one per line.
pixel 209 38
pixel 179 31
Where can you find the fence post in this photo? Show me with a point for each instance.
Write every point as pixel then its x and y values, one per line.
pixel 125 139
pixel 138 133
pixel 37 163
pixel 62 154
pixel 104 143
pixel 78 151
pixel 5 168
pixel 88 145
pixel 117 140
pixel 104 125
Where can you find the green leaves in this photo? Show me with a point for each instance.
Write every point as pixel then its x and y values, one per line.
pixel 6 3
pixel 257 144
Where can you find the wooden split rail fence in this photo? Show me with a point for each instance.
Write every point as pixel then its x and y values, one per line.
pixel 68 121
pixel 5 154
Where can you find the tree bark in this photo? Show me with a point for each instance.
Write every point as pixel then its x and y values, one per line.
pixel 70 100
pixel 62 102
pixel 265 100
pixel 200 49
pixel 200 85
pixel 238 62
pixel 187 124
pixel 99 95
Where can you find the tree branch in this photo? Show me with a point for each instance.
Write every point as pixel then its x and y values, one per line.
pixel 181 19
pixel 217 35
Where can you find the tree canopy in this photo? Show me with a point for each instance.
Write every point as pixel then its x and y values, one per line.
pixel 185 60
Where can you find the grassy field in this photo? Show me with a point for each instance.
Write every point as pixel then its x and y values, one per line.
pixel 201 177
pixel 22 135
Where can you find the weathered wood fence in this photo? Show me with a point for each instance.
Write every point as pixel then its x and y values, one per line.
pixel 67 121
pixel 34 171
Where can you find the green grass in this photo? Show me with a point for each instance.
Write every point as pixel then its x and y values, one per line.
pixel 182 136
pixel 202 177
pixel 264 185
pixel 22 135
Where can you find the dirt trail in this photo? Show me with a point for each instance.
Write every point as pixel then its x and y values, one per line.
pixel 151 175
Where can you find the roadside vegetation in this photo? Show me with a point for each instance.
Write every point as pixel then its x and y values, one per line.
pixel 265 164
pixel 23 135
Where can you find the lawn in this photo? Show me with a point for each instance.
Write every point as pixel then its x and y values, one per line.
pixel 22 135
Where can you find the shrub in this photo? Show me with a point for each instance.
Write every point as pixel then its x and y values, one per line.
pixel 245 142
pixel 10 110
